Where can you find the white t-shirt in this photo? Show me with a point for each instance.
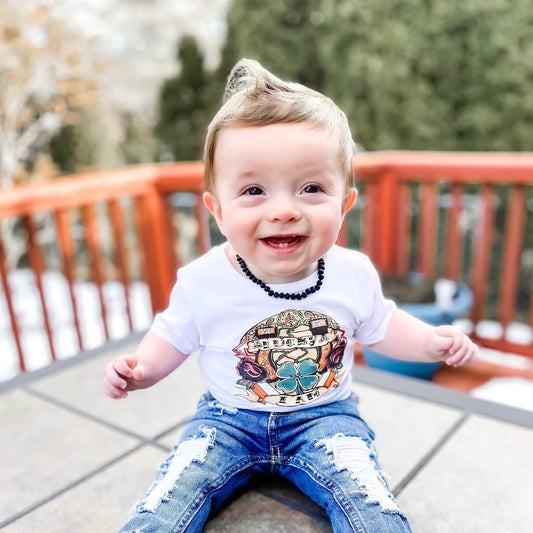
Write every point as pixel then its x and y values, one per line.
pixel 269 354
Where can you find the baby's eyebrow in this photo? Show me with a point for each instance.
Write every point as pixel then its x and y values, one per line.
pixel 248 174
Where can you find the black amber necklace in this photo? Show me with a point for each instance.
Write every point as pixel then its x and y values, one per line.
pixel 287 295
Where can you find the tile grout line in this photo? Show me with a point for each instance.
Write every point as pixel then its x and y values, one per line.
pixel 163 434
pixel 439 395
pixel 146 440
pixel 31 376
pixel 142 441
pixel 429 455
pixel 71 485
pixel 94 418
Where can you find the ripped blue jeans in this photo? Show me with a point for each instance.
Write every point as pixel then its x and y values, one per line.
pixel 326 451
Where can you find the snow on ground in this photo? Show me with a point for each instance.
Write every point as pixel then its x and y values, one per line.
pixel 515 392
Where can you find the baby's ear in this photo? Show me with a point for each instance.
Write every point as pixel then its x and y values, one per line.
pixel 211 202
pixel 349 201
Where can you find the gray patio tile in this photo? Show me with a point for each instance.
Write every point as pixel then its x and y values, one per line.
pixel 481 480
pixel 173 437
pixel 45 448
pixel 145 412
pixel 284 491
pixel 258 513
pixel 116 489
pixel 100 504
pixel 406 428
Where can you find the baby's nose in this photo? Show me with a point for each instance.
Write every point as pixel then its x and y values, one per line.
pixel 283 210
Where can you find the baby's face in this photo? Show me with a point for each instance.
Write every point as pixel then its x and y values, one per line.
pixel 278 197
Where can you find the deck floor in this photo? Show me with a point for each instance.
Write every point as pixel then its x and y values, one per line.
pixel 76 461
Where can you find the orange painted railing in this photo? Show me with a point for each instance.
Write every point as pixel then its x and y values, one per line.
pixel 147 188
pixel 411 211
pixel 413 217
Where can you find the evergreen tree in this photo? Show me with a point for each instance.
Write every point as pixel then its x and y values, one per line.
pixel 80 146
pixel 444 75
pixel 63 149
pixel 184 107
pixel 410 74
pixel 138 145
pixel 284 35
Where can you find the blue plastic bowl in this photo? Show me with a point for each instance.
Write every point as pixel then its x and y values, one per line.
pixel 432 314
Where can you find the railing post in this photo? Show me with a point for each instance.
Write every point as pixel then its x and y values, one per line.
pixel 482 253
pixel 388 207
pixel 203 241
pixel 11 308
pixel 370 220
pixel 514 235
pixel 37 264
pixel 428 229
pixel 159 255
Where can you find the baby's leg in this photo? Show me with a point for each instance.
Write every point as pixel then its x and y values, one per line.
pixel 333 461
pixel 205 468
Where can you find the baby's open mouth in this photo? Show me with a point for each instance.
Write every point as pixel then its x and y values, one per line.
pixel 283 241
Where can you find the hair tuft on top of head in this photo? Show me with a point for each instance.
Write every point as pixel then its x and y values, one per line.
pixel 250 77
pixel 255 97
pixel 239 79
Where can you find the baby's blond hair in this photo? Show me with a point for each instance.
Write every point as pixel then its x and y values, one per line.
pixel 255 97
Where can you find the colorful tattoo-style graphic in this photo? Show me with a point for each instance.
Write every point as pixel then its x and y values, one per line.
pixel 291 358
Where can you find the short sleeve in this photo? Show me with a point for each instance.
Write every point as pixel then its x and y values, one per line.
pixel 373 327
pixel 176 323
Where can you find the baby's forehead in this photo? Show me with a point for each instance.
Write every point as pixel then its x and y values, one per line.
pixel 285 139
pixel 291 148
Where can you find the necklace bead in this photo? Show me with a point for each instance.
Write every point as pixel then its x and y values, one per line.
pixel 285 295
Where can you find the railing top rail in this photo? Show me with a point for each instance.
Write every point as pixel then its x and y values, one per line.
pixel 82 189
pixel 502 167
pixel 91 187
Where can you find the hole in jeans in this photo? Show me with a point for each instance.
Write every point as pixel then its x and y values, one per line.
pixel 187 452
pixel 354 455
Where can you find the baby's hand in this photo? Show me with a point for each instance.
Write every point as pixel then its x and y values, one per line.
pixel 451 345
pixel 123 374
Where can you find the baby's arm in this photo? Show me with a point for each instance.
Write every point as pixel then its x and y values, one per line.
pixel 411 339
pixel 154 359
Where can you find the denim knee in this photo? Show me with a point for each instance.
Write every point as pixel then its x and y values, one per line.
pixel 359 487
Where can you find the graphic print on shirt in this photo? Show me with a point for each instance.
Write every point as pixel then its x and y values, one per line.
pixel 291 358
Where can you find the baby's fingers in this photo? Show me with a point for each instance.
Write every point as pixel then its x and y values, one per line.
pixel 456 358
pixel 114 378
pixel 124 366
pixel 464 354
pixel 113 391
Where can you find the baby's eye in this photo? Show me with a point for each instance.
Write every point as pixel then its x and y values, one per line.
pixel 313 188
pixel 253 191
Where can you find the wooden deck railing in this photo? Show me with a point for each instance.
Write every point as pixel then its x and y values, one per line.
pixel 146 190
pixel 463 216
